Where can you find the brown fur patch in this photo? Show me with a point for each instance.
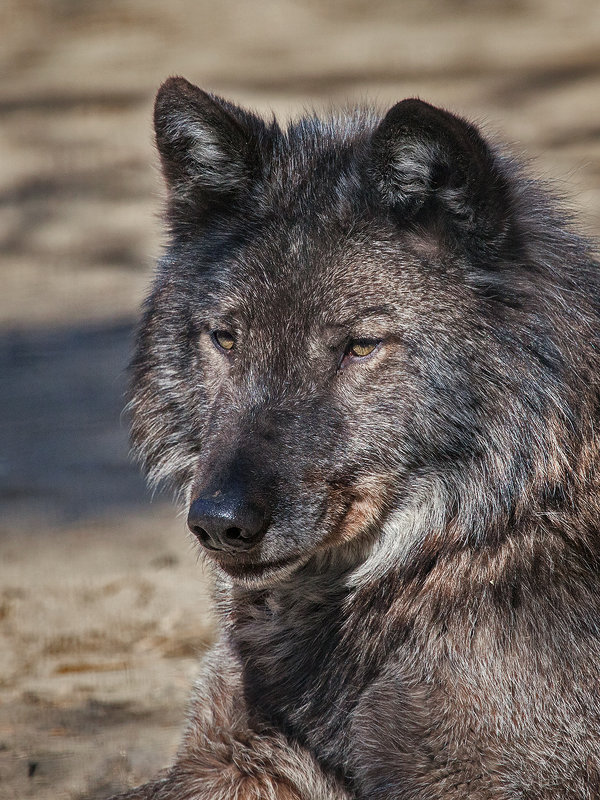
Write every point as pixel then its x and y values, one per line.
pixel 358 508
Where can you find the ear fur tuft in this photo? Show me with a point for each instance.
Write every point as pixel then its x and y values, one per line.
pixel 206 144
pixel 425 160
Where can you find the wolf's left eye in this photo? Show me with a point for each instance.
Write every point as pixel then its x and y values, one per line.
pixel 223 339
pixel 361 347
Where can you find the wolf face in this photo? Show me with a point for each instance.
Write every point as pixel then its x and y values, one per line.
pixel 350 343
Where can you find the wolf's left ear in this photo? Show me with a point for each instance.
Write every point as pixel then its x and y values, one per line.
pixel 429 165
pixel 208 147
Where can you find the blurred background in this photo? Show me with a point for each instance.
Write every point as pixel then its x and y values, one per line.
pixel 103 606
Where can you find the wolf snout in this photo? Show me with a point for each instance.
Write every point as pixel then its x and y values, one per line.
pixel 227 520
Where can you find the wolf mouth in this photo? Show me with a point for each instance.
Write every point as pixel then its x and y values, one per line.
pixel 256 569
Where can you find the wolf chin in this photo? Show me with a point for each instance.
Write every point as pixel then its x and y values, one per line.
pixel 369 365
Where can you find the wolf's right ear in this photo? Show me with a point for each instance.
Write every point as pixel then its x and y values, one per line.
pixel 208 147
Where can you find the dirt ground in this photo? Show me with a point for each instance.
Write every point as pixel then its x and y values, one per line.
pixel 104 607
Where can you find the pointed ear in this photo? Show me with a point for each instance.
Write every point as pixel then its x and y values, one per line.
pixel 429 165
pixel 208 147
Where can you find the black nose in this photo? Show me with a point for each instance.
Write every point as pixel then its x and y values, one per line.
pixel 227 520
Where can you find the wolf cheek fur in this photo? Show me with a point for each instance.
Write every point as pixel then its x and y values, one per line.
pixel 369 363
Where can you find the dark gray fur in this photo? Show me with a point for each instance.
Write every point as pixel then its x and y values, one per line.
pixel 421 619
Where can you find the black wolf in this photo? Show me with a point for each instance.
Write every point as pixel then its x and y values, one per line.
pixel 370 365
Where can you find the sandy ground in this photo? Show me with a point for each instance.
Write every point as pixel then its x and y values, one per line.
pixel 103 606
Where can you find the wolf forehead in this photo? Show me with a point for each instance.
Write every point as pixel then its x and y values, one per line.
pixel 301 287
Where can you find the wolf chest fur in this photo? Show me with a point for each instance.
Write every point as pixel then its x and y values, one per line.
pixel 369 366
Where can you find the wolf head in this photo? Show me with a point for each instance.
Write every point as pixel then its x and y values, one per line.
pixel 366 335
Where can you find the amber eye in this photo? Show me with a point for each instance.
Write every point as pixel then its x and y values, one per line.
pixel 362 347
pixel 223 339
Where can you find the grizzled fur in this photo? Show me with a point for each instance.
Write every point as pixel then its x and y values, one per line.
pixel 421 617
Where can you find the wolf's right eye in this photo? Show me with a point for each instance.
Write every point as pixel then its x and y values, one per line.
pixel 223 340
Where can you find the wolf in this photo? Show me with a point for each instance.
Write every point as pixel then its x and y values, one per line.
pixel 370 366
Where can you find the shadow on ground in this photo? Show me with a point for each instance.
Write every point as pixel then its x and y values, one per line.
pixel 64 451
